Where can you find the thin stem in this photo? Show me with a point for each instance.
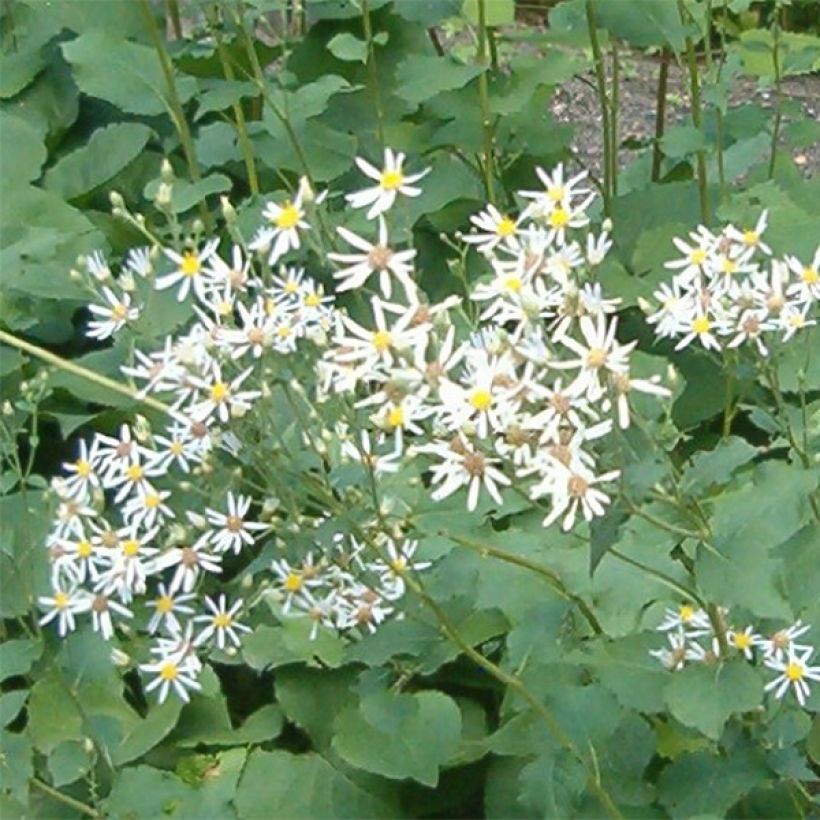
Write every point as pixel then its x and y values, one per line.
pixel 660 114
pixel 665 579
pixel 75 804
pixel 519 560
pixel 697 118
pixel 78 370
pixel 484 101
pixel 239 115
pixel 613 130
pixel 778 92
pixel 172 7
pixel 600 76
pixel 373 72
pixel 175 104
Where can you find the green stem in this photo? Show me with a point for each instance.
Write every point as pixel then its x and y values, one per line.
pixel 778 90
pixel 55 794
pixel 484 101
pixel 697 118
pixel 173 15
pixel 613 131
pixel 239 115
pixel 174 102
pixel 373 72
pixel 600 77
pixel 665 579
pixel 519 560
pixel 78 370
pixel 660 114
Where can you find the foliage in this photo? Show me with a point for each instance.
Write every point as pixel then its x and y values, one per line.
pixel 519 680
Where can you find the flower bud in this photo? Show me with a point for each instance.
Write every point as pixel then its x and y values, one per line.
pixel 166 171
pixel 75 275
pixel 645 305
pixel 120 658
pixel 116 200
pixel 8 410
pixel 142 428
pixel 126 282
pixel 607 225
pixel 228 210
pixel 247 581
pixel 305 191
pixel 671 375
pixel 164 194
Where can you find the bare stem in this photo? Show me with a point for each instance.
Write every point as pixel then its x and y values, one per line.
pixel 660 114
pixel 600 76
pixel 373 71
pixel 55 794
pixel 484 101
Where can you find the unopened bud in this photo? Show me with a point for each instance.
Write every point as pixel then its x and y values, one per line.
pixel 671 375
pixel 164 193
pixel 305 191
pixel 607 225
pixel 142 428
pixel 247 581
pixel 120 658
pixel 88 745
pixel 75 276
pixel 228 210
pixel 126 282
pixel 269 506
pixel 198 226
pixel 166 171
pixel 8 410
pixel 645 305
pixel 116 200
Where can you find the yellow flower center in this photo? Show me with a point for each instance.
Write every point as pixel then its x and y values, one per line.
pixel 131 547
pixel 512 283
pixel 701 325
pixel 135 472
pixel 84 549
pixel 481 400
pixel 399 565
pixel 283 331
pixel 506 227
pixel 697 256
pixel 313 300
pixel 794 671
pixel 810 276
pixel 83 468
pixel 686 613
pixel 391 180
pixel 61 600
pixel 222 620
pixel 288 217
pixel 164 604
pixel 556 193
pixel 177 448
pixel 293 583
pixel 119 312
pixel 797 320
pixel 728 266
pixel 395 418
pixel 596 357
pixel 169 671
pixel 219 392
pixel 559 218
pixel 751 237
pixel 382 340
pixel 743 641
pixel 152 501
pixel 190 264
pixel 291 287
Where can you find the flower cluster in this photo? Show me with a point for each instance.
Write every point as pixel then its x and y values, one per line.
pixel 728 290
pixel 692 639
pixel 524 394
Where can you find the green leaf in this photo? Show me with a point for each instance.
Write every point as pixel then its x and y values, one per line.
pixel 717 466
pixel 107 152
pixel 705 697
pixel 68 762
pixel 17 656
pixel 10 705
pixel 400 736
pixel 217 95
pixel 704 784
pixel 497 12
pixel 104 362
pixel 643 23
pixel 422 77
pixel 23 151
pixel 16 766
pixel 683 140
pixel 145 733
pixel 348 48
pixel 122 73
pixel 53 715
pixel 303 787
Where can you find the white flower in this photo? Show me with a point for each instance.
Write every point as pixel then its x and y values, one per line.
pixel 700 327
pixel 807 287
pixel 795 673
pixel 784 641
pixel 680 650
pixel 493 229
pixel 167 604
pixel 222 397
pixel 391 181
pixel 686 618
pixel 750 238
pixel 221 623
pixel 175 670
pixel 463 466
pixel 744 641
pixel 557 191
pixel 83 471
pixel 399 561
pixel 190 271
pixel 101 608
pixel 111 317
pixel 63 605
pixel 374 258
pixel 282 235
pixel 574 488
pixel 190 563
pixel 231 531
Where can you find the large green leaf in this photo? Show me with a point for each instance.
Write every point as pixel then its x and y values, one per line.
pixel 303 787
pixel 107 152
pixel 23 151
pixel 125 74
pixel 400 736
pixel 422 77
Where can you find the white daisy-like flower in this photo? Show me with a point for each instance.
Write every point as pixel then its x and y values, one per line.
pixel 680 650
pixel 687 618
pixel 374 258
pixel 176 671
pixel 190 271
pixel 221 397
pixel 744 640
pixel 795 673
pixel 111 317
pixel 101 608
pixel 230 530
pixel 63 605
pixel 807 286
pixel 391 181
pixel 282 233
pixel 167 605
pixel 751 238
pixel 785 640
pixel 574 488
pixel 493 228
pixel 190 563
pixel 222 623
